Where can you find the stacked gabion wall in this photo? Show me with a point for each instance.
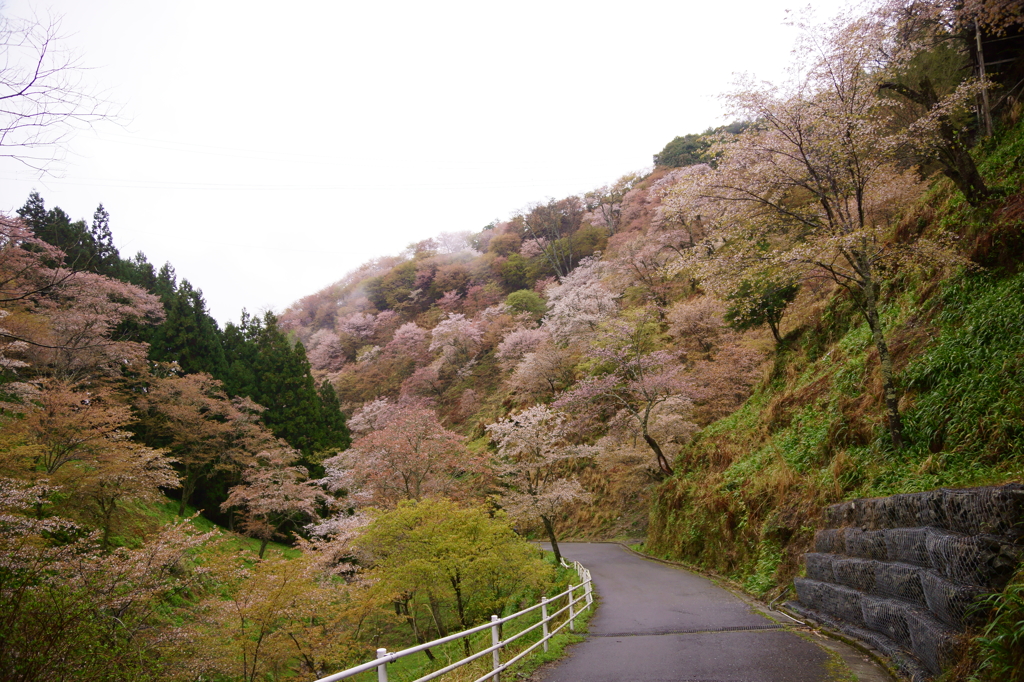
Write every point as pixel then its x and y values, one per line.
pixel 907 573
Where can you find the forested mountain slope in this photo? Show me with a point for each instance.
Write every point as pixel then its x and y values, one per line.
pixel 819 302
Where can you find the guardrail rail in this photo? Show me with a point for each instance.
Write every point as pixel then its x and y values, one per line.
pixel 583 592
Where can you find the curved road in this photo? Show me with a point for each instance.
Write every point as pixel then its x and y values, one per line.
pixel 659 623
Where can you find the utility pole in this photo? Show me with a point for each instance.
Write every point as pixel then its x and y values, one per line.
pixel 985 110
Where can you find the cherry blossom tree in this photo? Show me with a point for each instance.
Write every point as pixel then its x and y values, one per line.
pixel 533 450
pixel 518 343
pixel 450 301
pixel 626 457
pixel 68 324
pixel 84 330
pixel 452 242
pixel 332 541
pixel 206 432
pixel 429 382
pixel 276 618
pixel 409 340
pixel 71 424
pixel 62 594
pixel 919 64
pixel 544 372
pixel 698 323
pixel 405 455
pixel 532 248
pixel 457 338
pixel 641 264
pixel 275 491
pixel 632 377
pixel 28 265
pixel 373 416
pixel 717 385
pixel 124 471
pixel 605 203
pixel 579 303
pixel 359 325
pixel 994 15
pixel 326 351
pixel 681 211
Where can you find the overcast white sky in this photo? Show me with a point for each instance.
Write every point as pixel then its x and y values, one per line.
pixel 269 147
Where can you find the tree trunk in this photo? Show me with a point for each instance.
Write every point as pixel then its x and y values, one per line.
pixel 892 398
pixel 188 486
pixel 551 536
pixel 460 607
pixel 411 620
pixel 263 546
pixel 663 464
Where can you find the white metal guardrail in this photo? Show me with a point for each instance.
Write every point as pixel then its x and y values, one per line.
pixel 583 592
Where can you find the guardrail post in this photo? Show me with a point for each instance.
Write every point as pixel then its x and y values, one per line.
pixel 495 641
pixel 590 589
pixel 544 620
pixel 572 614
pixel 382 669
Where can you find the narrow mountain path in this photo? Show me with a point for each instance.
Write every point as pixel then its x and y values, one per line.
pixel 659 623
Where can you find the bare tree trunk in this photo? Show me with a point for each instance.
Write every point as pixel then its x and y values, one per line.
pixel 663 464
pixel 986 110
pixel 403 609
pixel 551 536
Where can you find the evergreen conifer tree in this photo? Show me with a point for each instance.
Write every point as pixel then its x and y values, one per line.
pixel 189 334
pixel 107 257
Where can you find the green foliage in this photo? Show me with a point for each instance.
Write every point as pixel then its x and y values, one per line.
pixel 1001 643
pixel 139 271
pixel 335 434
pixel 55 227
pixel 758 303
pixel 449 567
pixel 692 149
pixel 264 365
pixel 188 335
pixel 526 301
pixel 970 382
pixel 516 273
pixel 392 290
pixel 761 581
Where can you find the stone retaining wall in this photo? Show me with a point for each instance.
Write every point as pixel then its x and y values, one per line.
pixel 907 573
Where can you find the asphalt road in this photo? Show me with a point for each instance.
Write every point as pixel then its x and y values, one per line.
pixel 659 623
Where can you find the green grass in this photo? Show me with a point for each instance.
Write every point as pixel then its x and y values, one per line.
pixel 1001 643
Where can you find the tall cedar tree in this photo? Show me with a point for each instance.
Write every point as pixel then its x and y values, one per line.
pixel 263 365
pixel 189 334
